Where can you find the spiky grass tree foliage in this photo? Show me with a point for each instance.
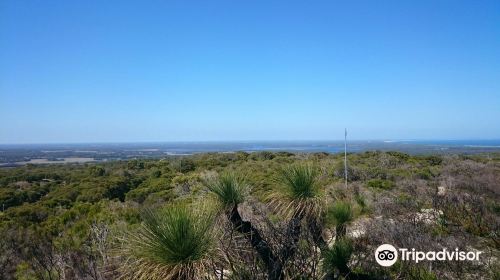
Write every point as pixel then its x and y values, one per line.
pixel 229 188
pixel 340 214
pixel 361 201
pixel 298 194
pixel 338 257
pixel 173 243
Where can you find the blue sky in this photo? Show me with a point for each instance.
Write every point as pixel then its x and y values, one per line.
pixel 122 71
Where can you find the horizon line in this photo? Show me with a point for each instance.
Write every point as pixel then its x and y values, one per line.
pixel 387 140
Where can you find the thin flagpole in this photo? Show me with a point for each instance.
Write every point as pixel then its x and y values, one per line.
pixel 345 157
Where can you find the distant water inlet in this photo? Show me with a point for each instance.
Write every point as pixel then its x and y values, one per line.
pixel 58 160
pixel 21 154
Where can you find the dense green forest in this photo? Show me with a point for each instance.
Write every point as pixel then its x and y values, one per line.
pixel 262 215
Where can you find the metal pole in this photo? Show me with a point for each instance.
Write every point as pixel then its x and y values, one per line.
pixel 345 157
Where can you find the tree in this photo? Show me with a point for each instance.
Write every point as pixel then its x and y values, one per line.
pixel 299 197
pixel 340 214
pixel 230 189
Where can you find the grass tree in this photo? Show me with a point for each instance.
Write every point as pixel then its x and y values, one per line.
pixel 299 194
pixel 230 190
pixel 337 258
pixel 336 261
pixel 299 197
pixel 173 243
pixel 340 214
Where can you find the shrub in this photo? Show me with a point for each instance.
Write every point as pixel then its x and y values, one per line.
pixel 418 273
pixel 156 173
pixel 399 155
pixel 353 174
pixel 425 173
pixel 139 194
pixel 135 164
pixel 97 171
pixel 434 160
pixel 380 184
pixel 262 155
pixel 118 190
pixel 183 165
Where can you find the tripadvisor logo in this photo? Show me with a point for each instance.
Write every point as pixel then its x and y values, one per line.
pixel 387 255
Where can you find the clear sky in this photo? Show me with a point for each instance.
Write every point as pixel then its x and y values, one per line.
pixel 122 71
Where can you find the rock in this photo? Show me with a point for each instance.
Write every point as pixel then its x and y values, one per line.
pixel 441 191
pixel 358 228
pixel 428 216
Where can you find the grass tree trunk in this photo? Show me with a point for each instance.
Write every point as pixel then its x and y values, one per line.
pixel 293 234
pixel 272 263
pixel 316 231
pixel 321 243
pixel 341 231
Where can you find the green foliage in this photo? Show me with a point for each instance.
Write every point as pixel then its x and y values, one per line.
pixel 117 190
pixel 240 272
pixel 97 171
pixel 298 193
pixel 159 197
pixel 300 181
pixel 155 173
pixel 242 155
pixel 284 154
pixel 150 186
pixel 404 199
pixel 50 209
pixel 138 195
pixel 135 164
pixel 380 184
pixel 91 195
pixel 24 272
pixel 262 155
pixel 494 207
pixel 340 213
pixel 173 243
pixel 183 165
pixel 495 270
pixel 353 173
pixel 338 257
pixel 399 155
pixel 11 197
pixel 419 273
pixel 425 173
pixel 29 213
pixel 229 188
pixel 434 160
pixel 361 201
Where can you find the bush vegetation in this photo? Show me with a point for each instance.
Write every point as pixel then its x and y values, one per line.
pixel 261 215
